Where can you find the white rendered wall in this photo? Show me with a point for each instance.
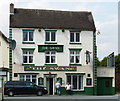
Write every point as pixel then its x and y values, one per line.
pixel 4 53
pixel 63 38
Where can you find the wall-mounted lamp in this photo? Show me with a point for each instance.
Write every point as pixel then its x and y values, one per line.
pixel 39 30
pixel 63 30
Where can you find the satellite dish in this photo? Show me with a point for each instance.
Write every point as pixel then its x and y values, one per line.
pixel 13 44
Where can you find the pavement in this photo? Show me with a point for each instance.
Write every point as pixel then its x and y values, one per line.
pixel 62 98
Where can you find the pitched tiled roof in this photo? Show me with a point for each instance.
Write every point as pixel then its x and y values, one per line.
pixel 51 19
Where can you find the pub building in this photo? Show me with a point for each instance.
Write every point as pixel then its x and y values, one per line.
pixel 54 45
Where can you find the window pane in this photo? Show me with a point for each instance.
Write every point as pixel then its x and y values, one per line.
pixel 24 59
pixel 77 59
pixel 77 52
pixel 71 59
pixel 47 59
pixel 27 77
pixel 52 59
pixel 25 36
pixel 30 36
pixel 71 37
pixel 47 52
pixel 30 52
pixel 69 79
pixel 24 52
pixel 21 77
pixel 52 36
pixel 71 52
pixel 80 82
pixel 74 81
pixel 77 37
pixel 33 76
pixel 47 37
pixel 30 59
pixel 34 80
pixel 53 52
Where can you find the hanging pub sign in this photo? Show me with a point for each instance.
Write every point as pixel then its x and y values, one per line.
pixel 44 68
pixel 87 56
pixel 43 48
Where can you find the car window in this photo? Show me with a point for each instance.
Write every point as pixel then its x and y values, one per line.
pixel 29 84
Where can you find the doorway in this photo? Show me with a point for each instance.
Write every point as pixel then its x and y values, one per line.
pixel 50 86
pixel 104 86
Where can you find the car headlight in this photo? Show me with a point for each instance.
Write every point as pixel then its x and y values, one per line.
pixel 45 88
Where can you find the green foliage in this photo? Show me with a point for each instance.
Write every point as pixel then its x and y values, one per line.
pixel 103 63
pixel 97 62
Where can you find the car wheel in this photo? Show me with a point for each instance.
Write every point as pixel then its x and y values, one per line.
pixel 39 93
pixel 10 93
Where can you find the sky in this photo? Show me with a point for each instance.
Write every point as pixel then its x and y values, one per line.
pixel 105 13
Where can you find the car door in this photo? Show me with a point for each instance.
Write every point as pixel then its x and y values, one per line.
pixel 19 87
pixel 30 88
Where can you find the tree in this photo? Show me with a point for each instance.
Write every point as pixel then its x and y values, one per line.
pixel 104 62
pixel 97 62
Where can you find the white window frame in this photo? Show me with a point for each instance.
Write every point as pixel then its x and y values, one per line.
pixel 28 56
pixel 74 55
pixel 75 37
pixel 50 32
pixel 50 55
pixel 28 36
pixel 24 79
pixel 82 85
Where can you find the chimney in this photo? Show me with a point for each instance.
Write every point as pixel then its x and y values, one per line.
pixel 11 8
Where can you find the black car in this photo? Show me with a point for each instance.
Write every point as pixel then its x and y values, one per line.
pixel 12 88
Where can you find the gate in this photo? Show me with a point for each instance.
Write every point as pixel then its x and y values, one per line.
pixel 104 86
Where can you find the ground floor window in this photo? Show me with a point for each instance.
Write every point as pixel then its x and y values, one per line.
pixel 28 77
pixel 76 81
pixel 4 75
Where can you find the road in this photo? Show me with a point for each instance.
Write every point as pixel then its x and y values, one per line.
pixel 62 98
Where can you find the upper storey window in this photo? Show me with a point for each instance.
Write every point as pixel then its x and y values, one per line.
pixel 28 35
pixel 74 37
pixel 50 36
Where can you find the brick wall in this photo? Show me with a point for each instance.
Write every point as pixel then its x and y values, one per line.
pixel 117 81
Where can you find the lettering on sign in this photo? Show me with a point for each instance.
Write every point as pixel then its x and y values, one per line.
pixel 43 68
pixel 43 48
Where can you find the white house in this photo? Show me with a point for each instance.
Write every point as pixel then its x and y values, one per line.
pixel 54 45
pixel 4 57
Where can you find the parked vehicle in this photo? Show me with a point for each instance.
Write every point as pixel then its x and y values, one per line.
pixel 12 88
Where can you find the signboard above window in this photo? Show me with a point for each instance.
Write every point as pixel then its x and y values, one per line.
pixel 43 48
pixel 53 68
